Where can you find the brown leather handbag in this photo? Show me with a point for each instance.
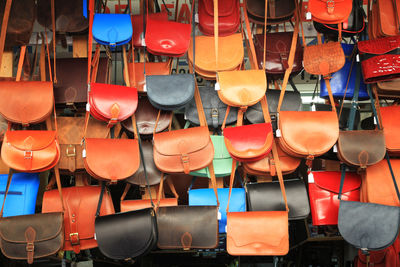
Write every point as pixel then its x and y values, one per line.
pixel 384 18
pixel 389 89
pixel 278 11
pixel 30 237
pixel 259 232
pixel 80 204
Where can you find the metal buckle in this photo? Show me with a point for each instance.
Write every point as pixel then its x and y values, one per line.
pixel 28 154
pixel 30 247
pixel 71 154
pixel 330 4
pixel 214 112
pixel 77 237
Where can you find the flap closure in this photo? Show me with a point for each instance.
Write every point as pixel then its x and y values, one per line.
pixel 181 142
pixel 379 46
pixel 248 137
pixel 30 140
pixel 112 28
pixel 330 181
pixel 46 225
pixel 225 7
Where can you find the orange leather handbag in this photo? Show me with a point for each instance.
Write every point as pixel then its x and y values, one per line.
pixel 80 204
pixel 384 19
pixel 254 233
pixel 331 11
pixel 391 128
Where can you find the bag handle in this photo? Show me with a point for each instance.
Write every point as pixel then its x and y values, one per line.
pixel 4 25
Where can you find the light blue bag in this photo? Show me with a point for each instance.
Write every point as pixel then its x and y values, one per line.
pixel 21 198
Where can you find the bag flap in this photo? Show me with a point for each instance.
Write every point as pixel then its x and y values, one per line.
pixel 323 59
pixel 46 225
pixel 112 28
pixel 220 151
pixel 225 7
pixel 368 225
pixel 330 181
pixel 112 159
pixel 379 46
pixel 105 97
pixel 181 142
pixel 138 26
pixel 126 235
pixel 68 127
pixel 257 233
pixel 30 140
pixel 138 204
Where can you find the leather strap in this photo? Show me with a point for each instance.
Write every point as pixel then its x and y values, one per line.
pixel 30 237
pixel 4 25
pixel 354 102
pixel 53 21
pixel 353 59
pixel 265 29
pixel 20 63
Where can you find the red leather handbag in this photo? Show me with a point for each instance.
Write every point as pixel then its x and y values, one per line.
pixel 137 22
pixel 391 128
pixel 388 257
pixel 80 203
pixel 228 17
pixel 323 188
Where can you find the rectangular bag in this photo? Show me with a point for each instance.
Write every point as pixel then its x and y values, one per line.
pixel 391 128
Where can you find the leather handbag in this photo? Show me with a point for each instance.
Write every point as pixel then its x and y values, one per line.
pixel 278 11
pixel 137 21
pixel 214 109
pixel 228 17
pixel 379 258
pixel 380 59
pixel 277 53
pixel 259 232
pixel 343 82
pixel 222 161
pixel 388 89
pixel 391 128
pixel 21 197
pixel 299 207
pixel 384 19
pixel 69 139
pixel 80 204
pixel 323 188
pixel 330 12
pixel 368 226
pixel 344 116
pixel 146 117
pixel 136 72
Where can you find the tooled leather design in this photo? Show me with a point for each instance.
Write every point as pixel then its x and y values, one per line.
pixel 382 65
pixel 30 236
pixel 324 59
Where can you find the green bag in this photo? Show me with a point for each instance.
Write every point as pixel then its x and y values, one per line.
pixel 222 160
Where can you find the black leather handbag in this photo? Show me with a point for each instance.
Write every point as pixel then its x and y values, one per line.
pixel 268 196
pixel 214 109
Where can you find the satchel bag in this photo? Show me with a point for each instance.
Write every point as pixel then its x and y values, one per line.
pixel 384 19
pixel 278 11
pixel 258 232
pixel 80 204
pixel 35 236
pixel 391 128
pixel 330 12
pixel 323 188
pixel 228 17
pixel 299 207
pixel 214 109
pixel 380 59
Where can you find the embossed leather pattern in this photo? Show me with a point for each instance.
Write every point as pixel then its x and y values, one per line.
pixel 323 59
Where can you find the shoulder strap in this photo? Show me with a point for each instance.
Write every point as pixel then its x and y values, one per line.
pixel 4 25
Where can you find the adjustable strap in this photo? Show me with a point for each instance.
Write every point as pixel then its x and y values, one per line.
pixel 279 172
pixel 4 25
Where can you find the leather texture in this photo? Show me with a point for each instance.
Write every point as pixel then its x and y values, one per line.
pixel 167 38
pixel 391 128
pixel 80 208
pixel 339 79
pixel 128 234
pixel 361 148
pixel 335 11
pixel 278 11
pixel 26 102
pixel 206 197
pixel 30 237
pixel 170 92
pixel 230 54
pixel 146 116
pixel 307 133
pixel 214 109
pixel 138 26
pixel 30 151
pixel 71 86
pixel 21 197
pixel 222 161
pixel 138 78
pixel 367 225
pixel 384 19
pixel 112 103
pixel 69 130
pixel 323 188
pixel 241 88
pixel 378 183
pixel 139 204
pixel 183 150
pixel 268 197
pixel 277 53
pixel 267 165
pixel 389 88
pixel 249 142
pixel 112 29
pixel 380 59
pixel 380 258
pixel 111 159
pixel 323 59
pixel 187 227
pixel 228 17
pixel 257 233
pixel 153 174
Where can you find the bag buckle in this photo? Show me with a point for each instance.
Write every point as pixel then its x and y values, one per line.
pixel 76 242
pixel 69 152
pixel 330 5
pixel 185 158
pixel 30 247
pixel 28 154
pixel 214 112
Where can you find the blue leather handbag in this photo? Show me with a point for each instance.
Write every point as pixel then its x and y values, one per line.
pixel 21 197
pixel 339 78
pixel 206 197
pixel 112 29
